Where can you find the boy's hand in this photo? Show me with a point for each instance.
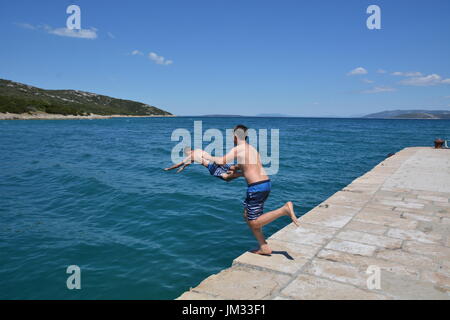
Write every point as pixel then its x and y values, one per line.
pixel 182 167
pixel 233 169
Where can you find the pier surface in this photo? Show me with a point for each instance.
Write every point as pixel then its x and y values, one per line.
pixel 395 219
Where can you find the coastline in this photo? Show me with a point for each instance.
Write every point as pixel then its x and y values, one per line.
pixel 49 116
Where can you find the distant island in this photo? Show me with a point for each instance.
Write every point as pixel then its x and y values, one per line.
pixel 410 114
pixel 272 115
pixel 220 115
pixel 260 115
pixel 21 101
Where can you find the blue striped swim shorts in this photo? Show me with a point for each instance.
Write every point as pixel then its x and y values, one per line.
pixel 257 194
pixel 216 170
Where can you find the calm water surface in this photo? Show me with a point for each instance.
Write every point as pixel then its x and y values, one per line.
pixel 92 193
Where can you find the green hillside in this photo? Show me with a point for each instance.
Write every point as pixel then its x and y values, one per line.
pixel 20 98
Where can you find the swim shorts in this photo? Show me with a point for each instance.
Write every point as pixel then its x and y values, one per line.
pixel 216 170
pixel 257 194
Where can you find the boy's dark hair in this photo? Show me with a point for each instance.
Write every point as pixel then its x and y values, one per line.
pixel 240 131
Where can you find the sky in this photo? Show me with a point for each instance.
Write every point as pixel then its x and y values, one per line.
pixel 246 57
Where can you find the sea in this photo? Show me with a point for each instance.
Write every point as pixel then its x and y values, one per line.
pixel 93 194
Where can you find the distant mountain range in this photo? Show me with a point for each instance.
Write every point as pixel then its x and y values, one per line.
pixel 262 115
pixel 17 97
pixel 220 115
pixel 392 114
pixel 21 98
pixel 272 115
pixel 410 114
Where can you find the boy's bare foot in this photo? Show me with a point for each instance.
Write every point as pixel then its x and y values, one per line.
pixel 264 250
pixel 291 213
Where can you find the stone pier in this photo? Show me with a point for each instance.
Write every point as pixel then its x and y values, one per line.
pixel 395 219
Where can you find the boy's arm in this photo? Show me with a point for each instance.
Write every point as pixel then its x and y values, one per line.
pixel 184 166
pixel 228 158
pixel 174 166
pixel 185 160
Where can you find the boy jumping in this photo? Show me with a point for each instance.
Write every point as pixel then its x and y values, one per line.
pixel 225 172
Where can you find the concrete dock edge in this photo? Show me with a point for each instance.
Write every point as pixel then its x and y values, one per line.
pixel 392 224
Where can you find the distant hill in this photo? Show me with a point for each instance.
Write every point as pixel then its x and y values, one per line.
pixel 221 115
pixel 20 98
pixel 262 115
pixel 272 115
pixel 410 114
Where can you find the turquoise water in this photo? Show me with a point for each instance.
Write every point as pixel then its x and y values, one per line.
pixel 92 193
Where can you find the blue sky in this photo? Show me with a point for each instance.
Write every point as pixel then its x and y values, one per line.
pixel 236 57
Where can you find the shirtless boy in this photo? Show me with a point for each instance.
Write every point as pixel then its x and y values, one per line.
pixel 249 163
pixel 225 172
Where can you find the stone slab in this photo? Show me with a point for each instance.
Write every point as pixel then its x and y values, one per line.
pixel 307 287
pixel 242 283
pixel 286 257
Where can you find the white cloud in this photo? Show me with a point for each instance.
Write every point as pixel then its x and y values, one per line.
pixel 381 71
pixel 367 81
pixel 63 32
pixel 418 79
pixel 111 35
pixel 73 33
pixel 413 74
pixel 429 80
pixel 26 26
pixel 357 71
pixel 153 57
pixel 159 59
pixel 379 89
pixel 407 74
